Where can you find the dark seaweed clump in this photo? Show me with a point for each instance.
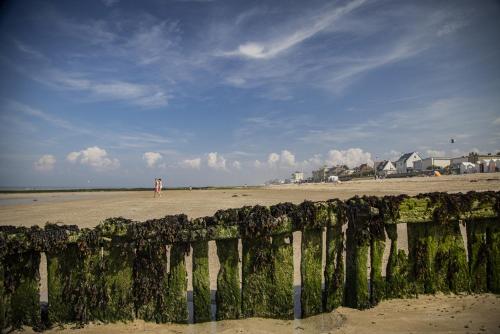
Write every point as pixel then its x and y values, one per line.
pixel 389 206
pixel 166 230
pixel 228 217
pixel 283 209
pixel 258 222
pixel 359 215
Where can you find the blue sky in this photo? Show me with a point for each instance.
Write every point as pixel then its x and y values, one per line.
pixel 115 93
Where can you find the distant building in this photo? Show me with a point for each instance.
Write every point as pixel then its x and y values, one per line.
pixel 323 173
pixel 476 157
pixel 384 168
pixel 405 162
pixel 431 163
pixel 320 175
pixel 466 167
pixel 297 177
pixel 364 169
pixel 458 160
pixel 488 165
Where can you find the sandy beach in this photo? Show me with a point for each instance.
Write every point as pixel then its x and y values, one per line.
pixel 88 209
pixel 457 314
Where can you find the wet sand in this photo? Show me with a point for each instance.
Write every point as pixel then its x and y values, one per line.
pixel 426 314
pixel 88 209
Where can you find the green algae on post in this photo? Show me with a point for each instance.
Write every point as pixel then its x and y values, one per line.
pixel 478 254
pixel 3 299
pixel 437 257
pixel 358 243
pixel 377 288
pixel 310 271
pixel 150 277
pixel 334 269
pixel 201 282
pixel 396 281
pixel 257 277
pixel 267 263
pixel 118 281
pixel 282 279
pixel 493 250
pixel 228 296
pixel 65 277
pixel 176 298
pixel 21 284
pixel 333 294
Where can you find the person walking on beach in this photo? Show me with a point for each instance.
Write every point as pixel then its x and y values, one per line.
pixel 160 186
pixel 157 187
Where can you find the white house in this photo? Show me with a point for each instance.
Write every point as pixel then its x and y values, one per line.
pixel 384 168
pixel 297 177
pixel 467 168
pixel 333 178
pixel 405 162
pixel 431 163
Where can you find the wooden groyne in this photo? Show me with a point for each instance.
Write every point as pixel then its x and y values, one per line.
pixel 123 270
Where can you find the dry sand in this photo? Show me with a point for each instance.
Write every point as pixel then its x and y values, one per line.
pixel 88 209
pixel 426 314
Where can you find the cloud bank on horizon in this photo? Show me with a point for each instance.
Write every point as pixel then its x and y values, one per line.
pixel 115 93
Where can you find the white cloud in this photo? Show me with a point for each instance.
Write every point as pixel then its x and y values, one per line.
pixel 273 159
pixel 497 121
pixel 45 163
pixel 285 159
pixel 152 158
pixel 315 25
pixel 236 164
pixel 73 156
pixel 352 157
pixel 94 157
pixel 216 161
pixel 192 163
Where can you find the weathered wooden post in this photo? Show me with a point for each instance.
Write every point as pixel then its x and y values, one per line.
pixel 108 264
pixel 310 218
pixel 436 251
pixel 65 275
pixel 478 254
pixel 358 243
pixel 396 280
pixel 228 295
pixel 201 278
pixel 376 228
pixel 493 248
pixel 21 278
pixel 334 269
pixel 176 298
pixel 160 295
pixel 267 264
pixel 281 296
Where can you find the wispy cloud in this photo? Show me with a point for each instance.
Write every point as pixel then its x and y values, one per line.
pixel 264 50
pixel 148 96
pixel 51 119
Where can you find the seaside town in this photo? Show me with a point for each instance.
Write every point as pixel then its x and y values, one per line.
pixel 408 165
